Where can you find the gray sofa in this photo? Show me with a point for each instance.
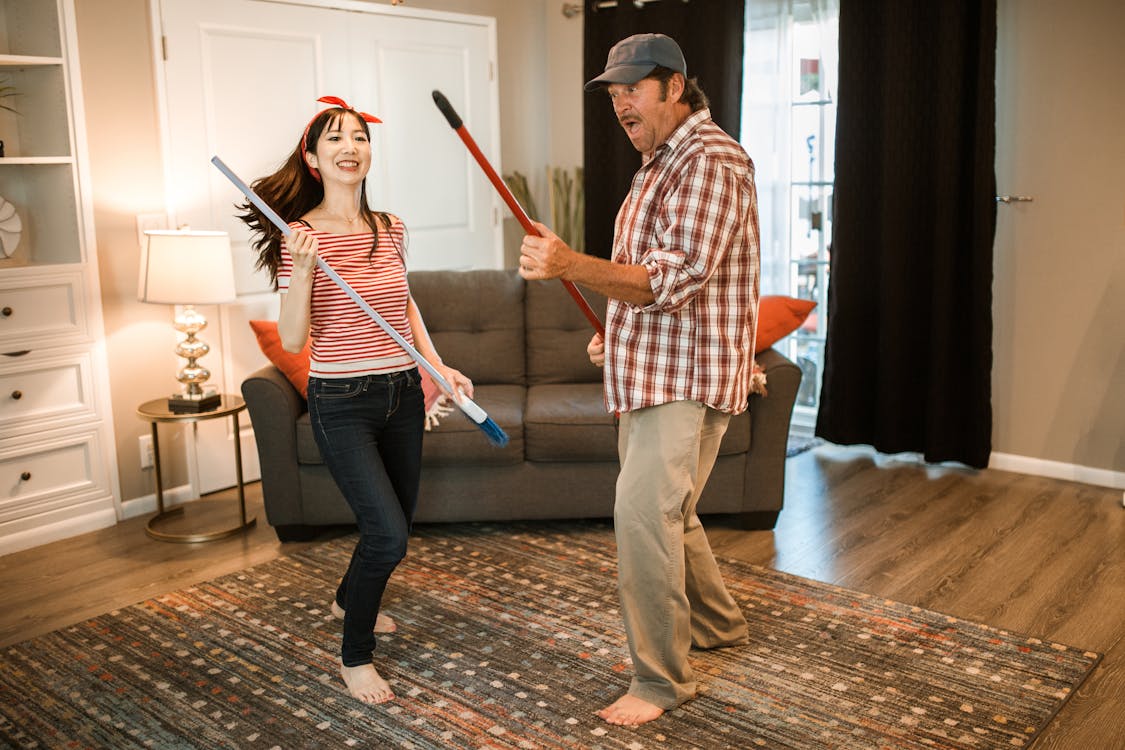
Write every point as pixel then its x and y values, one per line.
pixel 524 346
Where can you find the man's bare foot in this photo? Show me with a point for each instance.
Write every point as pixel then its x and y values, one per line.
pixel 383 623
pixel 630 711
pixel 365 684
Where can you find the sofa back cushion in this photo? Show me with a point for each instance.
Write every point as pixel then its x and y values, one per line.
pixel 557 335
pixel 485 303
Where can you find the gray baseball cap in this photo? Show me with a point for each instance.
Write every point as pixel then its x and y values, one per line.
pixel 635 57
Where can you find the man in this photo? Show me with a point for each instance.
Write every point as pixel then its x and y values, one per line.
pixel 678 358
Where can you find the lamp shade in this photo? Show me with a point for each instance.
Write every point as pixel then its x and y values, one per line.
pixel 185 267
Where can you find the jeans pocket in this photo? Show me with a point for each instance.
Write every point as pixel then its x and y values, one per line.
pixel 335 388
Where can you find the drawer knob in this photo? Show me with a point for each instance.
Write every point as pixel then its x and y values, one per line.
pixel 6 312
pixel 17 395
pixel 25 476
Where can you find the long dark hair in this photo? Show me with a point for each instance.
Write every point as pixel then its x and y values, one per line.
pixel 292 191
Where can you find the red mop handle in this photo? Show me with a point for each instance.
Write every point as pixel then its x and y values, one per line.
pixel 521 215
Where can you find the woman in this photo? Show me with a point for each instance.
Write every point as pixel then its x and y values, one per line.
pixel 365 393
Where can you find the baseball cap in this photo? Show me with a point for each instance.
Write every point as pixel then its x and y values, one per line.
pixel 635 57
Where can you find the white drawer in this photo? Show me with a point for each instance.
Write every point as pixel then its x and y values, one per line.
pixel 48 475
pixel 42 391
pixel 41 310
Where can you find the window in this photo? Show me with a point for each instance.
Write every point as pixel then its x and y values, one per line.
pixel 789 129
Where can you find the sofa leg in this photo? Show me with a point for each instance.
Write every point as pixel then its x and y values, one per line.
pixel 296 532
pixel 755 520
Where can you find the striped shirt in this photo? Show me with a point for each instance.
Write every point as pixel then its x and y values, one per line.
pixel 345 341
pixel 691 219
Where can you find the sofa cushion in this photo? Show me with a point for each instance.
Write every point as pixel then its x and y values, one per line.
pixel 476 321
pixel 569 423
pixel 557 334
pixel 457 440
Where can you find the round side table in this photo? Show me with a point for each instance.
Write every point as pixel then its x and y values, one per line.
pixel 156 412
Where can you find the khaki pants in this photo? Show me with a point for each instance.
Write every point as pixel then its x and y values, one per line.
pixel 672 596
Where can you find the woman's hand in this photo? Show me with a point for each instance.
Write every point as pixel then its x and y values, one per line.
pixel 302 247
pixel 459 383
pixel 596 350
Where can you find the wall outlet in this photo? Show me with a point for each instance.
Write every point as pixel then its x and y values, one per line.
pixel 146 451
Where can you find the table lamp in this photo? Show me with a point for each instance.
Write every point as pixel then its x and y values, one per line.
pixel 188 268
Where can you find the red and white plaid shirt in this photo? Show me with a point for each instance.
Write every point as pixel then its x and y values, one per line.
pixel 691 219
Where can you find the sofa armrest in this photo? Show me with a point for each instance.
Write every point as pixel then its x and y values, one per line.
pixel 769 432
pixel 274 405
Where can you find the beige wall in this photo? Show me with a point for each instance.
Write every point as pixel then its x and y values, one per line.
pixel 127 177
pixel 1070 414
pixel 1059 289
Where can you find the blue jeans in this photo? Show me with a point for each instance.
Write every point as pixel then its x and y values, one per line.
pixel 369 430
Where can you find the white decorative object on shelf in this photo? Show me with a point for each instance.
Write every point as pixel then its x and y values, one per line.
pixel 10 228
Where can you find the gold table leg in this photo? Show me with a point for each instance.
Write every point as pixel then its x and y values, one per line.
pixel 161 513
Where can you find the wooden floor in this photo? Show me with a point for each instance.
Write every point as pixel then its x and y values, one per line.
pixel 1030 555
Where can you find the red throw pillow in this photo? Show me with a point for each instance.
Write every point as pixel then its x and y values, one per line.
pixel 779 316
pixel 295 366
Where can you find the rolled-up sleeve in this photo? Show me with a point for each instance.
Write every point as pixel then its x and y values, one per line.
pixel 701 219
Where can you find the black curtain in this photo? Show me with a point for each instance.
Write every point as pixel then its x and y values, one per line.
pixel 908 362
pixel 710 34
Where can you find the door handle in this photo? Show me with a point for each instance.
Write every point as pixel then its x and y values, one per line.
pixel 1014 199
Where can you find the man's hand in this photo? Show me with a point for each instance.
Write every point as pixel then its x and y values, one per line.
pixel 546 257
pixel 596 350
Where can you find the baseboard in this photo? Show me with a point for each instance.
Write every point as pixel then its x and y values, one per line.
pixel 54 532
pixel 146 504
pixel 1058 470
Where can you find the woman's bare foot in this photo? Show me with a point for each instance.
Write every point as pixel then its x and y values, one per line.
pixel 383 623
pixel 365 684
pixel 630 711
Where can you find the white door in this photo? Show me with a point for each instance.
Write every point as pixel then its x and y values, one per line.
pixel 240 80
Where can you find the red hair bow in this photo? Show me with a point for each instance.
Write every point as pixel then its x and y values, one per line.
pixel 337 102
pixel 341 103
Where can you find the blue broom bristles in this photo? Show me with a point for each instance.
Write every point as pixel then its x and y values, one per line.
pixel 480 418
pixel 493 432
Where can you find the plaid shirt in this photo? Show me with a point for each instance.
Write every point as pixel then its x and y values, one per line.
pixel 691 219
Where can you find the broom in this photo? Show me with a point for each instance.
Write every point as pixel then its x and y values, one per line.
pixel 477 415
pixel 455 122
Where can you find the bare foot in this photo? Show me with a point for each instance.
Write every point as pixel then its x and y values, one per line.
pixel 630 711
pixel 383 623
pixel 365 684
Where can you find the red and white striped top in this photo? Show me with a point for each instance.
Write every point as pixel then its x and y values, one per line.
pixel 691 219
pixel 346 342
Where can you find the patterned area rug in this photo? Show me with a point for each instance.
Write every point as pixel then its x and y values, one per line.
pixel 509 637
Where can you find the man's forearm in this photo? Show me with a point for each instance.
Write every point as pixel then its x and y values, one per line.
pixel 615 280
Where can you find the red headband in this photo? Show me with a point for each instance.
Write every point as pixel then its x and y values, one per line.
pixel 338 102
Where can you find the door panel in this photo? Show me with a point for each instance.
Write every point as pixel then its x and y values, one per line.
pixel 241 80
